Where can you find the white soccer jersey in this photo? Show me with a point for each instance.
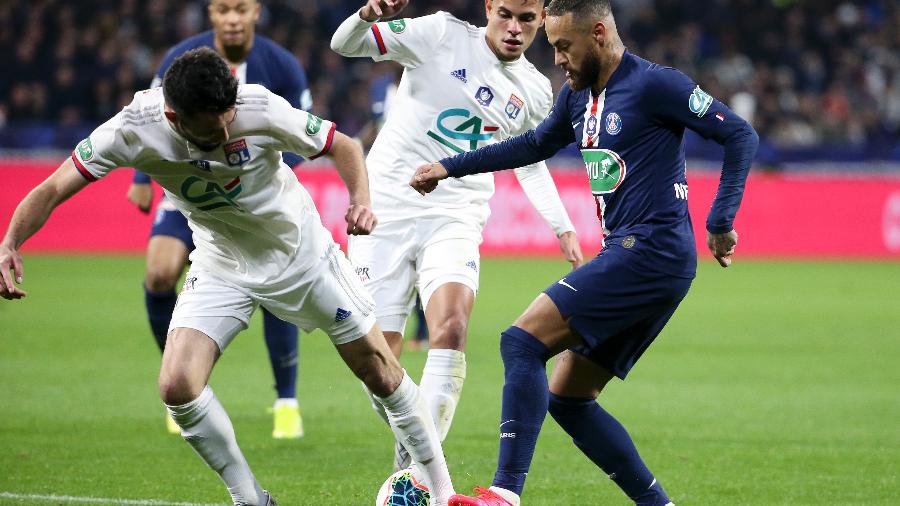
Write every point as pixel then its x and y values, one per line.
pixel 244 205
pixel 454 96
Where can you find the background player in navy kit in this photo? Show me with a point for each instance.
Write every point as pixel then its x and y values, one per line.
pixel 628 116
pixel 254 59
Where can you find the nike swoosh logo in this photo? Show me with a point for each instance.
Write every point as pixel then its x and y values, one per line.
pixel 506 422
pixel 563 283
pixel 575 125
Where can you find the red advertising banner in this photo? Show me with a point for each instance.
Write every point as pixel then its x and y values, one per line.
pixel 781 216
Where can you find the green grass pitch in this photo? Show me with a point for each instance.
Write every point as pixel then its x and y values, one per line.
pixel 776 383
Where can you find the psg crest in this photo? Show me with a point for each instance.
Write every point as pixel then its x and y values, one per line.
pixel 613 123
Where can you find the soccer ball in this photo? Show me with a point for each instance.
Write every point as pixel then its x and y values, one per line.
pixel 404 488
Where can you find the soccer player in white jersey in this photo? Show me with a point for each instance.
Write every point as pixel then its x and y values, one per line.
pixel 216 150
pixel 462 87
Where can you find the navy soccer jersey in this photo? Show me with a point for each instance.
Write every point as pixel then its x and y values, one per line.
pixel 631 138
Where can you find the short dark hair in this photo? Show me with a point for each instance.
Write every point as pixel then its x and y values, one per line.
pixel 199 81
pixel 581 9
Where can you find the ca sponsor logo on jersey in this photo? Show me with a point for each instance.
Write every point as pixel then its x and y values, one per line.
pixel 397 25
pixel 313 124
pixel 237 153
pixel 207 195
pixel 484 95
pixel 605 170
pixel 613 124
pixel 469 130
pixel 514 106
pixel 85 149
pixel 699 102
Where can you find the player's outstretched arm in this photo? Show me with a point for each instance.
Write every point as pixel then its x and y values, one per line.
pixel 349 162
pixel 29 217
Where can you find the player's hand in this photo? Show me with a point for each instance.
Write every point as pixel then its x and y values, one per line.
pixel 426 178
pixel 141 195
pixel 381 9
pixel 722 246
pixel 10 259
pixel 568 243
pixel 360 220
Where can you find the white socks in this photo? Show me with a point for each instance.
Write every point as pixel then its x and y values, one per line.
pixel 207 428
pixel 413 426
pixel 442 382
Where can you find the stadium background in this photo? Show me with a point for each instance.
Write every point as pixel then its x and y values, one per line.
pixel 797 391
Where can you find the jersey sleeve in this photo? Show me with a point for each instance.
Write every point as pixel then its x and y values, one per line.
pixel 677 100
pixel 298 131
pixel 407 41
pixel 535 145
pixel 103 151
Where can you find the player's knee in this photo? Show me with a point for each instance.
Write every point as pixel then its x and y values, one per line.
pixel 176 388
pixel 517 346
pixel 160 279
pixel 561 407
pixel 451 333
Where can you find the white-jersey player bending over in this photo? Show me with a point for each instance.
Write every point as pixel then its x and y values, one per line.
pixel 216 150
pixel 462 87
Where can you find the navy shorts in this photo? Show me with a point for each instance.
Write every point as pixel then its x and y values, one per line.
pixel 169 221
pixel 616 309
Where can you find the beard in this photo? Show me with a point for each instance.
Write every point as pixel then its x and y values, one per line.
pixel 588 74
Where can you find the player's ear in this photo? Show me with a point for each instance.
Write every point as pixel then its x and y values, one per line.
pixel 488 5
pixel 256 11
pixel 170 115
pixel 598 33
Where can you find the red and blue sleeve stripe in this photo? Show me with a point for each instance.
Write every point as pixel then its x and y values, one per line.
pixel 82 169
pixel 379 40
pixel 328 142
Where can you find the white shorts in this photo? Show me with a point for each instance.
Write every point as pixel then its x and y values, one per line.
pixel 328 296
pixel 403 257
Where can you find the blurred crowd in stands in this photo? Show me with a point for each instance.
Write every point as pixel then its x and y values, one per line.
pixel 805 73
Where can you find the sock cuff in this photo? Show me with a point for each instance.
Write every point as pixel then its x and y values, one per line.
pixel 403 398
pixel 159 295
pixel 188 414
pixel 286 401
pixel 518 338
pixel 572 402
pixel 445 362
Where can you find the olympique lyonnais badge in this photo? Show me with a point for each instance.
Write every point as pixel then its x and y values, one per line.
pixel 514 106
pixel 236 153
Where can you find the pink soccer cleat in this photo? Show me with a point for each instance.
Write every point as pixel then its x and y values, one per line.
pixel 485 497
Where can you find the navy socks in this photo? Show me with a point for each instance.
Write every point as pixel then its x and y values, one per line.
pixel 282 342
pixel 159 313
pixel 606 442
pixel 525 398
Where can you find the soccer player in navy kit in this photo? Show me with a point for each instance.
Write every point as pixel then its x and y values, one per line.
pixel 253 59
pixel 628 117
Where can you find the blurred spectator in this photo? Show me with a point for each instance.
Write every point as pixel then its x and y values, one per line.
pixel 805 73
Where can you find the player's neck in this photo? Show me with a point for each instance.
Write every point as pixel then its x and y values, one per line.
pixel 234 55
pixel 613 62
